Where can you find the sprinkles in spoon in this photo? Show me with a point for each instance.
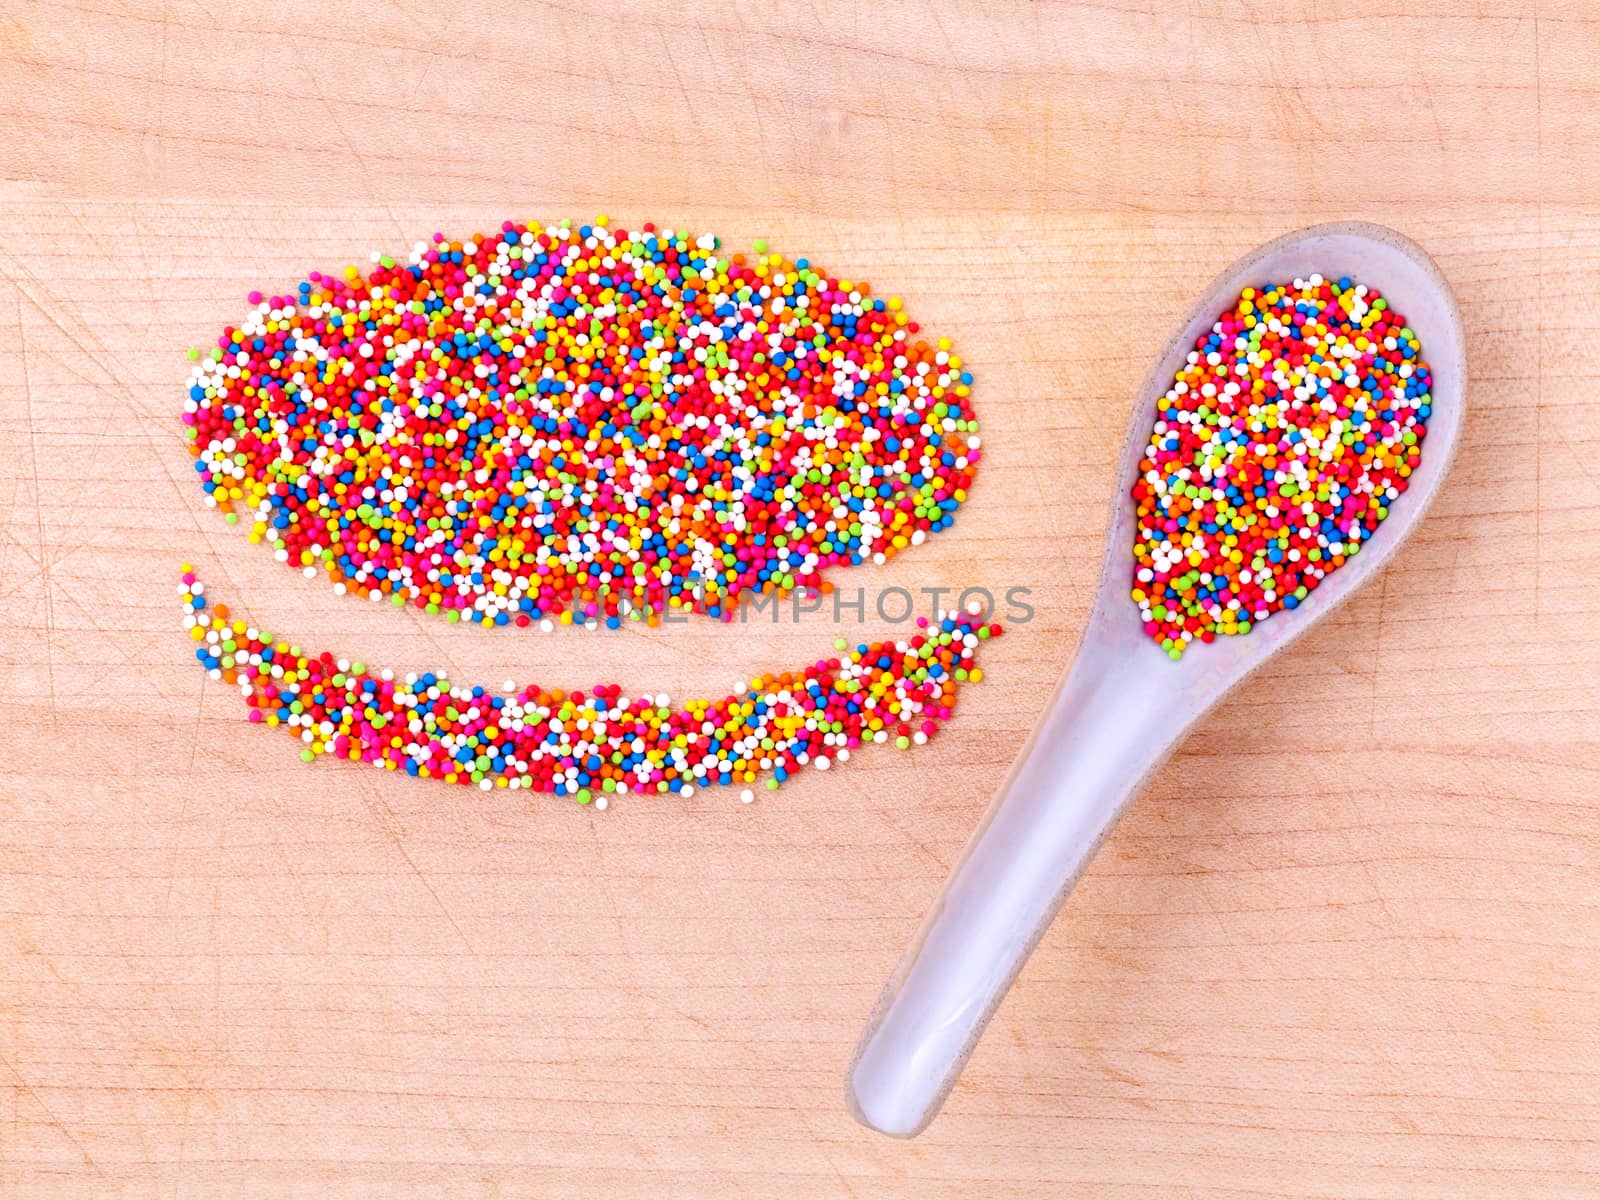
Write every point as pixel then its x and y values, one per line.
pixel 1291 428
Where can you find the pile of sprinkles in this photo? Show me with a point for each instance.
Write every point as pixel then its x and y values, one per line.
pixel 1279 448
pixel 589 745
pixel 557 422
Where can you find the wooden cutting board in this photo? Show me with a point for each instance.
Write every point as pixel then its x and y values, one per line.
pixel 1347 945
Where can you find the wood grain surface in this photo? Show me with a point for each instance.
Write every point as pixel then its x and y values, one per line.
pixel 1347 945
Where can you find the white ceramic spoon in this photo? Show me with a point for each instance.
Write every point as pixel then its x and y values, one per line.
pixel 1124 705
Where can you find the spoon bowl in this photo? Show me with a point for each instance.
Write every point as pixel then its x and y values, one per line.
pixel 1124 706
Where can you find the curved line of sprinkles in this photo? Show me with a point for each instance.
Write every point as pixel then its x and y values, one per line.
pixel 595 743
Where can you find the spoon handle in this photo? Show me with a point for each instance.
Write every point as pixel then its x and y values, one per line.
pixel 1103 732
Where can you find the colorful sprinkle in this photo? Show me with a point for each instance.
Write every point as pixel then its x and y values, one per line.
pixel 521 427
pixel 1278 450
pixel 588 744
